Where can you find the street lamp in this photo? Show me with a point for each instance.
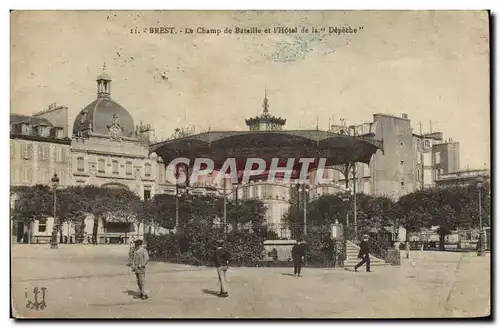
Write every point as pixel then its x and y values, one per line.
pixel 225 194
pixel 306 191
pixel 54 183
pixel 480 250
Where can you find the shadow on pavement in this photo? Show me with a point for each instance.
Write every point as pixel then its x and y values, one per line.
pixel 288 274
pixel 211 292
pixel 132 293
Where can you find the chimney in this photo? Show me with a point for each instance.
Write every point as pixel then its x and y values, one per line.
pixel 405 116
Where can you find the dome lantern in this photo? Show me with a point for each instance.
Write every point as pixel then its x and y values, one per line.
pixel 104 84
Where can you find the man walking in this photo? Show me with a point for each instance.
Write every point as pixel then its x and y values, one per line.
pixel 139 262
pixel 364 254
pixel 298 253
pixel 221 261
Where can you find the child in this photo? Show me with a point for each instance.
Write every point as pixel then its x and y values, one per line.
pixel 140 260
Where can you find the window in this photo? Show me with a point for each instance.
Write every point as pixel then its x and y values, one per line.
pixel 245 193
pixel 12 149
pixel 27 150
pixel 128 168
pixel 115 167
pixel 43 176
pixel 26 129
pixel 83 117
pixel 427 143
pixel 80 164
pixel 43 152
pixel 101 165
pixel 28 174
pixel 401 163
pixel 43 131
pixel 147 195
pixel 147 169
pixel 161 172
pixel 59 133
pixel 418 175
pixel 42 225
pixel 402 185
pixel 437 157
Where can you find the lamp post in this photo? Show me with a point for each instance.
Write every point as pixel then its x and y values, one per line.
pixel 225 194
pixel 306 190
pixel 54 183
pixel 480 250
pixel 346 198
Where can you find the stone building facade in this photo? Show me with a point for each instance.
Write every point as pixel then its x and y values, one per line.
pixel 106 149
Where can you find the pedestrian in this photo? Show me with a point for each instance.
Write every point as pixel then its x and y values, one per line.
pixel 364 254
pixel 407 248
pixel 140 260
pixel 221 261
pixel 298 254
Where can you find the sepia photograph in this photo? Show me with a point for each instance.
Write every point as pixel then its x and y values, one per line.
pixel 247 164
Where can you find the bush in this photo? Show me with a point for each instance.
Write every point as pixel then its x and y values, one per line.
pixel 195 246
pixel 320 248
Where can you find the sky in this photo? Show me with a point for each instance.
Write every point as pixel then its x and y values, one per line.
pixel 431 65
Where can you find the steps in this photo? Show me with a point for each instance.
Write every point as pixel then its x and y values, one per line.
pixel 352 251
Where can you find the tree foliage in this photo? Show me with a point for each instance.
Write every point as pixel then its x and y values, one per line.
pixel 372 212
pixel 451 208
pixel 200 225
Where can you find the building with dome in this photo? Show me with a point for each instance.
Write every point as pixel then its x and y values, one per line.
pixel 108 149
pixel 104 148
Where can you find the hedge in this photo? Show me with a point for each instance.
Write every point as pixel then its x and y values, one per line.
pixel 196 248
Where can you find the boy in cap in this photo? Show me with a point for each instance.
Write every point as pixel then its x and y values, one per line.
pixel 364 254
pixel 221 261
pixel 139 262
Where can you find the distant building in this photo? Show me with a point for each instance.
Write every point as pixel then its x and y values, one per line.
pixel 445 158
pixel 423 145
pixel 39 147
pixel 462 178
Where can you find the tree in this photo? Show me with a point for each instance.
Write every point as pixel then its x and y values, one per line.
pixel 32 203
pixel 448 208
pixel 160 211
pixel 372 212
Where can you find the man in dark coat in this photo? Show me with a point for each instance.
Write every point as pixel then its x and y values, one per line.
pixel 298 253
pixel 364 254
pixel 221 261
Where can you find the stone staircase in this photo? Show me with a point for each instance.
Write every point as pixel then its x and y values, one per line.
pixel 352 251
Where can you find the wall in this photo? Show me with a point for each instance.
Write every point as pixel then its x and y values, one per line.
pixel 393 171
pixel 98 147
pixel 40 164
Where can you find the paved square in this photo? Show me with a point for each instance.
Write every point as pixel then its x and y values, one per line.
pixel 87 281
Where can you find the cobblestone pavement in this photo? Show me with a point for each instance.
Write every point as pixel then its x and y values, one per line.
pixel 86 281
